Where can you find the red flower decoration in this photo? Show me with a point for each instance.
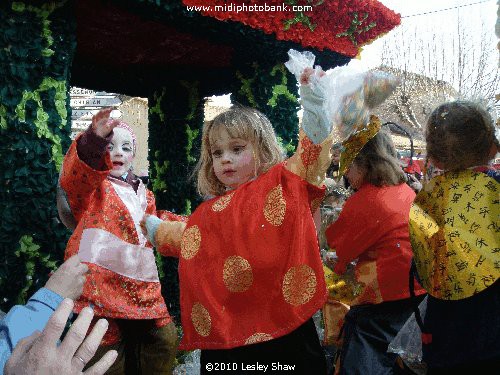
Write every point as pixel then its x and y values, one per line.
pixel 342 26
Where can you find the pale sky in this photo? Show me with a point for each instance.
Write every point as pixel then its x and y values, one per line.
pixel 440 24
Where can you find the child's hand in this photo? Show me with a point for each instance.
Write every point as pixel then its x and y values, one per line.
pixel 305 77
pixel 68 280
pixel 100 124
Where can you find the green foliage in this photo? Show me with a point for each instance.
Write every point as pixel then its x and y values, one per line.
pixel 357 28
pixel 29 252
pixel 273 91
pixel 300 16
pixel 39 43
pixel 42 117
pixel 175 122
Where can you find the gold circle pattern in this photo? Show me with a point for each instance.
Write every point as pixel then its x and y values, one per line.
pixel 299 285
pixel 237 274
pixel 222 202
pixel 258 337
pixel 275 206
pixel 191 242
pixel 200 317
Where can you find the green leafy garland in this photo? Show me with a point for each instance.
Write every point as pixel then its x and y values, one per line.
pixel 38 45
pixel 272 90
pixel 175 122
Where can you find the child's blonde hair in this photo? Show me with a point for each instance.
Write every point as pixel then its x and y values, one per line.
pixel 240 122
pixel 460 135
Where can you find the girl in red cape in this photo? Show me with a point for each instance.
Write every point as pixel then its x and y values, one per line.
pixel 250 271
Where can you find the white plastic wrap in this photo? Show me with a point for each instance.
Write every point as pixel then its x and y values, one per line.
pixel 342 96
pixel 191 365
pixel 299 61
pixel 408 343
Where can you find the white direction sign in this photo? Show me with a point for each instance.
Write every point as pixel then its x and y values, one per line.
pixel 83 113
pixel 80 124
pixel 77 91
pixel 102 101
pixel 87 113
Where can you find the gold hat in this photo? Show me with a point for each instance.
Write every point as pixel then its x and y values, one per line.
pixel 355 143
pixel 455 234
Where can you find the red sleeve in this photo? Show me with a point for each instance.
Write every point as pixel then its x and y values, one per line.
pixel 358 228
pixel 315 194
pixel 169 216
pixel 79 180
pixel 91 149
pixel 151 208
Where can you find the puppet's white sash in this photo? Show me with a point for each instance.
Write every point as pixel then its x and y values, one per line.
pixel 107 250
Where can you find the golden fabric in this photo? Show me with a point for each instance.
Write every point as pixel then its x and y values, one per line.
pixel 169 234
pixel 237 274
pixel 191 242
pixel 222 202
pixel 454 229
pixel 275 206
pixel 355 143
pixel 311 161
pixel 334 313
pixel 299 285
pixel 201 319
pixel 258 337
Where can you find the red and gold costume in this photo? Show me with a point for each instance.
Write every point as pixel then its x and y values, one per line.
pixel 373 228
pixel 122 282
pixel 249 267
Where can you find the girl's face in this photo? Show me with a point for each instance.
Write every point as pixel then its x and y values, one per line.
pixel 233 159
pixel 355 175
pixel 121 151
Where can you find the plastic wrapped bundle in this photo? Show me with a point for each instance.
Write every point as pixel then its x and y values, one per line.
pixel 408 343
pixel 350 94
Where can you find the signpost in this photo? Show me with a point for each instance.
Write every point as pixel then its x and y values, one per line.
pixel 86 103
pixel 87 113
pixel 96 101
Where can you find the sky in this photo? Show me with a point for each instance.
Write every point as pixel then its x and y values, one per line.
pixel 439 23
pixel 442 23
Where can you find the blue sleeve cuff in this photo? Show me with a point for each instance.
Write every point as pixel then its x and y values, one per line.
pixel 22 321
pixel 152 224
pixel 47 297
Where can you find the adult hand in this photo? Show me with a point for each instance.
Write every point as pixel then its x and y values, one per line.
pixel 68 280
pixel 101 124
pixel 39 353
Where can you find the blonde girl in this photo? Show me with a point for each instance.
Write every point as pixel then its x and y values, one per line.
pixel 250 271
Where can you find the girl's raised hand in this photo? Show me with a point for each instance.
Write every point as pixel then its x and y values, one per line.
pixel 305 77
pixel 101 124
